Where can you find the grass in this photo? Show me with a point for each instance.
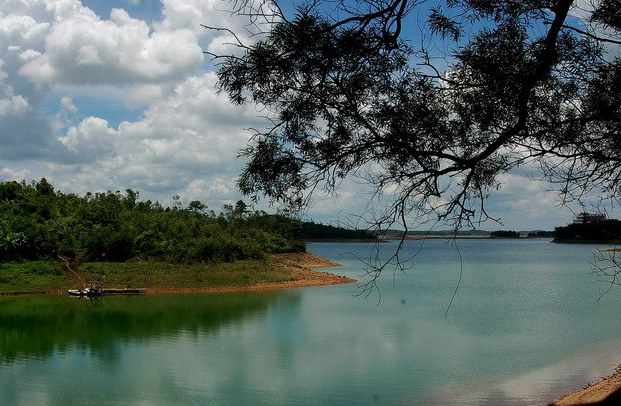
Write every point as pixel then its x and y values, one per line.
pixel 35 276
pixel 174 276
pixel 43 276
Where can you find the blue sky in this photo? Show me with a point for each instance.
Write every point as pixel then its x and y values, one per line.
pixel 100 95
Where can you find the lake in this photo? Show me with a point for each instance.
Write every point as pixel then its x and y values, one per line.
pixel 527 324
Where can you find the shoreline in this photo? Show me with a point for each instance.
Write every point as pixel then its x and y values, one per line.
pixel 301 265
pixel 592 392
pixel 300 268
pixel 580 241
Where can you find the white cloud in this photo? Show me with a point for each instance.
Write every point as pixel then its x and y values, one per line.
pixel 183 14
pixel 144 94
pixel 21 29
pixel 193 14
pixel 204 190
pixel 228 44
pixel 185 143
pixel 524 203
pixel 66 74
pixel 14 105
pixel 67 105
pixel 13 174
pixel 58 50
pixel 90 140
pixel 192 129
pixel 86 50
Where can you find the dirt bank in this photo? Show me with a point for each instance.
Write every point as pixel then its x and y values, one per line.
pixel 300 267
pixel 592 393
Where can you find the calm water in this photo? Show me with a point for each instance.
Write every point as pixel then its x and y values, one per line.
pixel 525 327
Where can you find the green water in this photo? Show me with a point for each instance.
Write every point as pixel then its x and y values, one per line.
pixel 527 324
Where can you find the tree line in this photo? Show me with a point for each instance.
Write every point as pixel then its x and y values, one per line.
pixel 38 222
pixel 505 234
pixel 606 230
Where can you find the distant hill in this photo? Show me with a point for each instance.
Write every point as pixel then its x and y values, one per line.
pixel 439 233
pixel 472 233
pixel 318 231
pixel 539 233
pixel 505 234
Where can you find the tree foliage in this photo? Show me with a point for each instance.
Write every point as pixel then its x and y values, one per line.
pixel 430 115
pixel 505 234
pixel 37 222
pixel 606 230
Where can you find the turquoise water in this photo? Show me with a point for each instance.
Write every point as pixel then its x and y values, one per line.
pixel 527 324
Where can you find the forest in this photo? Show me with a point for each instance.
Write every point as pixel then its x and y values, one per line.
pixel 39 223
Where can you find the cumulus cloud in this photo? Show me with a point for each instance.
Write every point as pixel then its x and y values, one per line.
pixel 13 105
pixel 184 14
pixel 144 94
pixel 193 14
pixel 52 46
pixel 525 202
pixel 67 105
pixel 192 129
pixel 66 73
pixel 184 143
pixel 84 49
pixel 13 174
pixel 90 140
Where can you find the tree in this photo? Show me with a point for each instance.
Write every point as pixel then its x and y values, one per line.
pixel 505 234
pixel 430 120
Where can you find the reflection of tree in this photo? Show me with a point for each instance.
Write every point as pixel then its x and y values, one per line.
pixel 38 326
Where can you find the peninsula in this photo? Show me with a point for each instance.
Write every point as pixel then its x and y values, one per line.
pixel 51 241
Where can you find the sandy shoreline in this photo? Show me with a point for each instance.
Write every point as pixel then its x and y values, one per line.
pixel 593 392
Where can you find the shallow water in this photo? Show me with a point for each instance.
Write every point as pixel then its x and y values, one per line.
pixel 527 324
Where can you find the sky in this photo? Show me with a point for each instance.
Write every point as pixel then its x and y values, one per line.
pixel 100 95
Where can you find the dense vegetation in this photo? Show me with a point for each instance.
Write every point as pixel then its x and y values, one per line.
pixel 435 233
pixel 505 234
pixel 541 233
pixel 311 230
pixel 607 230
pixel 39 223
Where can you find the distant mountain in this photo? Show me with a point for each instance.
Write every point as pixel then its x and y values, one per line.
pixel 439 233
pixel 466 233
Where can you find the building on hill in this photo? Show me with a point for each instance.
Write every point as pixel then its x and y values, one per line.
pixel 588 218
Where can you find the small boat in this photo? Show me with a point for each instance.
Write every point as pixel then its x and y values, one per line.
pixel 90 291
pixel 96 288
pixel 127 291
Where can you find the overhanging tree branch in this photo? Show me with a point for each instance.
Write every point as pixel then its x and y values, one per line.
pixel 353 95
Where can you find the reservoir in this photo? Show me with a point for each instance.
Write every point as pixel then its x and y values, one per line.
pixel 528 322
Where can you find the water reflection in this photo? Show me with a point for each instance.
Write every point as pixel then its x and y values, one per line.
pixel 526 327
pixel 36 326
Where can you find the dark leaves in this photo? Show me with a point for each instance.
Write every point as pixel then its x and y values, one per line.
pixel 347 95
